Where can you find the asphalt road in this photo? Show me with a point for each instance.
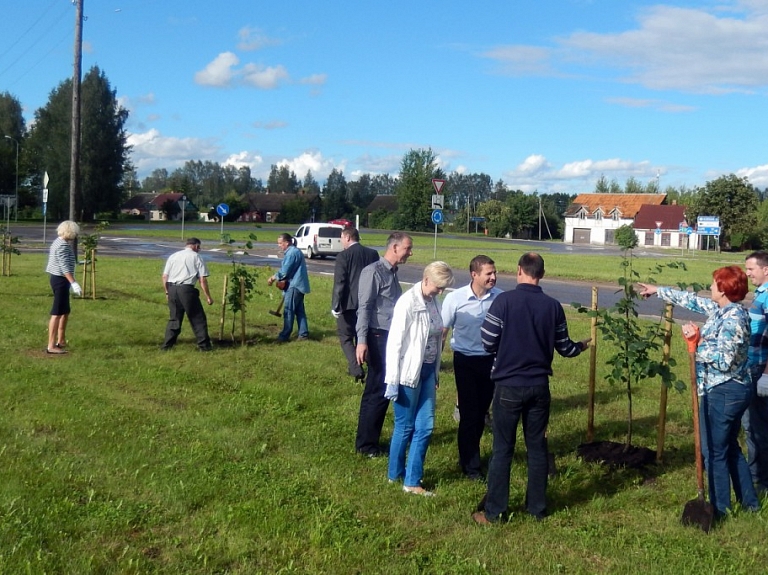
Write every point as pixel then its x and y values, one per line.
pixel 265 254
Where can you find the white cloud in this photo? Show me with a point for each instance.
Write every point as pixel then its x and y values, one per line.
pixel 758 176
pixel 218 72
pixel 311 160
pixel 254 39
pixel 221 72
pixel 315 79
pixel 152 150
pixel 271 125
pixel 254 161
pixel 670 48
pixel 536 173
pixel 264 77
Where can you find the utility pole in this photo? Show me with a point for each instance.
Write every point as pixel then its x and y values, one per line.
pixel 74 159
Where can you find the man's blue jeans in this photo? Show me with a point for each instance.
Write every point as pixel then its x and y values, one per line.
pixel 720 411
pixel 293 308
pixel 510 404
pixel 755 424
pixel 414 422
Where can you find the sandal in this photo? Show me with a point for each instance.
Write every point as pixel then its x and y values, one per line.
pixel 418 490
pixel 56 351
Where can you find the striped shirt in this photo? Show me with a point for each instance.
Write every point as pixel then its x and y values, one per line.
pixel 61 258
pixel 758 341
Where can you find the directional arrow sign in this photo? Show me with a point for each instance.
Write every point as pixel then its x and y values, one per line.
pixel 438 185
pixel 222 209
pixel 437 202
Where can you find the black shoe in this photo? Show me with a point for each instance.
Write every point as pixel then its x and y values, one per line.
pixel 474 476
pixel 374 453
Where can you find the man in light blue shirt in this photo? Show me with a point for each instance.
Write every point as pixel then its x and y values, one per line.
pixel 755 419
pixel 294 270
pixel 464 310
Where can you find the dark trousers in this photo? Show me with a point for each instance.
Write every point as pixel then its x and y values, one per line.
pixel 373 404
pixel 720 411
pixel 186 299
pixel 755 424
pixel 510 404
pixel 475 392
pixel 345 328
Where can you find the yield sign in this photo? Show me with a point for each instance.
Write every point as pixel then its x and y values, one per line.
pixel 438 185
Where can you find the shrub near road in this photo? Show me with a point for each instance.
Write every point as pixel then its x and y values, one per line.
pixel 120 459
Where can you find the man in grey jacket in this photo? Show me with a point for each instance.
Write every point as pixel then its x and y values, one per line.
pixel 378 291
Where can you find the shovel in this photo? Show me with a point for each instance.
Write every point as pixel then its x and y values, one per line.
pixel 699 511
pixel 277 313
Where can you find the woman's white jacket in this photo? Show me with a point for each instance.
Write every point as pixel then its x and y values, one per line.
pixel 407 339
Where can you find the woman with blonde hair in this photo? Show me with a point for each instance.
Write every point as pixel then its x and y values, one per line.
pixel 61 269
pixel 412 367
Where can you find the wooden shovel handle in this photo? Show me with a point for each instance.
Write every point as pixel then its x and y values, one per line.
pixel 696 424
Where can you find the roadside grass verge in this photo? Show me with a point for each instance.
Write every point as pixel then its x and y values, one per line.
pixel 118 458
pixel 599 265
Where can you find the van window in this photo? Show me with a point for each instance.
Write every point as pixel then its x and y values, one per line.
pixel 329 232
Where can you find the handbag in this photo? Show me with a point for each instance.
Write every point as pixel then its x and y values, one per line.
pixel 283 284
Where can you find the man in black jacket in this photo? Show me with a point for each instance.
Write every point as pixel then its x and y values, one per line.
pixel 523 328
pixel 346 276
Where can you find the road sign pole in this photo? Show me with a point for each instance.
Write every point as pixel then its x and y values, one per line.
pixel 434 252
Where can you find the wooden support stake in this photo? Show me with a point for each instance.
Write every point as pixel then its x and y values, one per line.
pixel 93 273
pixel 666 351
pixel 592 371
pixel 242 311
pixel 223 308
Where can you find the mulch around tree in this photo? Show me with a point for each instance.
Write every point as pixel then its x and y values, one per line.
pixel 612 454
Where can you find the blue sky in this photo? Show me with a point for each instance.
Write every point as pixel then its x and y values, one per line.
pixel 546 95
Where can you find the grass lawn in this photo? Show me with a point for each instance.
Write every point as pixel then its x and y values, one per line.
pixel 118 458
pixel 596 266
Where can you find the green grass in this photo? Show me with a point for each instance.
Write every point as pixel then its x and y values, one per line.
pixel 118 458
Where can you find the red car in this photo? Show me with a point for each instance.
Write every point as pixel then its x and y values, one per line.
pixel 342 222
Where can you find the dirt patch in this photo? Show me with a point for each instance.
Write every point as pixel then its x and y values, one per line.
pixel 614 454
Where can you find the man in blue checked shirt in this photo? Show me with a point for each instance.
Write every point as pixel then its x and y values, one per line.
pixel 755 419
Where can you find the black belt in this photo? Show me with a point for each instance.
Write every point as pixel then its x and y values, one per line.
pixel 378 331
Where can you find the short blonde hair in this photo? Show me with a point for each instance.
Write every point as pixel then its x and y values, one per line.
pixel 439 273
pixel 68 230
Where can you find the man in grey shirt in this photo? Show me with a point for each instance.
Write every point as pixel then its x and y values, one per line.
pixel 378 291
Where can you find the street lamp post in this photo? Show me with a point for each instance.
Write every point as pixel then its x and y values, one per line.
pixel 16 213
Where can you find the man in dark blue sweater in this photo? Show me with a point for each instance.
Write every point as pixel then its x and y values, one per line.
pixel 523 328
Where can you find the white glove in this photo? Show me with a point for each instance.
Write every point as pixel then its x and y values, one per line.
pixel 76 288
pixel 336 314
pixel 762 386
pixel 392 391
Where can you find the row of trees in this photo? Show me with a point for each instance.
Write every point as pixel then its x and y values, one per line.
pixel 108 178
pixel 104 153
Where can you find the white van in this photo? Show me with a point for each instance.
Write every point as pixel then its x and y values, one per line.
pixel 319 239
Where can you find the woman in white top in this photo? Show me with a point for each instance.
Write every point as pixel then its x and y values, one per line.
pixel 412 367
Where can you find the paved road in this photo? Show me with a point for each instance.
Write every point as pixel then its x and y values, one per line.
pixel 266 254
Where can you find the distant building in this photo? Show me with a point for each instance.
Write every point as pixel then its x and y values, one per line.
pixel 663 226
pixel 150 206
pixel 266 207
pixel 594 218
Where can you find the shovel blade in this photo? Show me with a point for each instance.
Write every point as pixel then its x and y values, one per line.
pixel 699 513
pixel 275 313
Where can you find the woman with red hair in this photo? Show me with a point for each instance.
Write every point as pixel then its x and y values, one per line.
pixel 723 382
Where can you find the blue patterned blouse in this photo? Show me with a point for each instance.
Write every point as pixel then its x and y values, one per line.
pixel 724 346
